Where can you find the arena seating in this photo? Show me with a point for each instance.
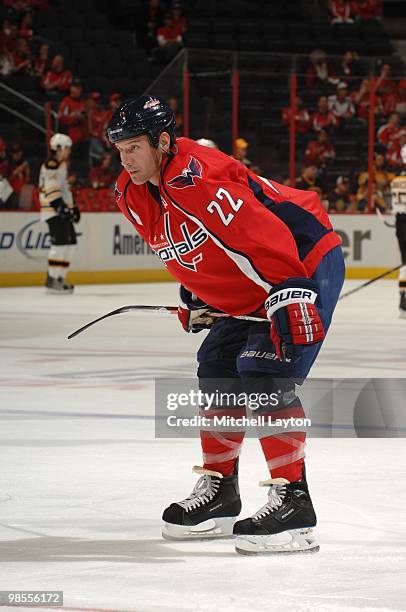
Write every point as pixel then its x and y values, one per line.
pixel 99 42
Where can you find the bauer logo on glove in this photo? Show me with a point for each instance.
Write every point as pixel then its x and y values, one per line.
pixel 294 317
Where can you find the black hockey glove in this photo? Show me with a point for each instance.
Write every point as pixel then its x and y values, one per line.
pixel 60 208
pixel 74 214
pixel 191 312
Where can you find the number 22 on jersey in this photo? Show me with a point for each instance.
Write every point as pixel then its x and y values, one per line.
pixel 215 206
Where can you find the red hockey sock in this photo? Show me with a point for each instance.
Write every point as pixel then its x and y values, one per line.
pixel 284 452
pixel 221 448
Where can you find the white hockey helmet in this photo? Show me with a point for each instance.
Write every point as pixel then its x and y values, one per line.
pixel 60 140
pixel 207 143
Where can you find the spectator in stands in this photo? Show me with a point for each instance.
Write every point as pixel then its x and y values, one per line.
pixel 308 180
pixel 320 152
pixel 340 11
pixel 5 188
pixel 22 59
pixel 384 83
pixel 173 104
pixel 41 62
pixel 179 20
pixel 366 9
pixel 96 118
pixel 114 103
pixel 320 74
pixel 146 28
pixel 5 192
pixel 26 28
pixel 72 113
pixel 361 98
pixel 390 131
pixel 240 152
pixel 18 174
pixel 394 159
pixel 341 199
pixel 340 104
pixel 17 6
pixel 103 176
pixel 401 105
pixel 303 119
pixel 382 179
pixel 349 69
pixel 169 40
pixel 378 201
pixel 323 118
pixel 6 60
pixel 395 102
pixel 3 159
pixel 57 79
pixel 11 34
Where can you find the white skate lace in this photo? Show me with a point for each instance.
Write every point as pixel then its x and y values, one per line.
pixel 276 495
pixel 203 492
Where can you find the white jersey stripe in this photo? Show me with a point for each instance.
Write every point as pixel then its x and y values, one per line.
pixel 134 216
pixel 240 260
pixel 268 182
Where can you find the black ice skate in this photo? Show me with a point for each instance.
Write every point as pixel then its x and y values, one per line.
pixel 209 511
pixel 57 286
pixel 283 525
pixel 402 305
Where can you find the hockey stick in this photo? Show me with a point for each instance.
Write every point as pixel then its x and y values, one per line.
pixel 372 280
pixel 160 310
pixel 171 310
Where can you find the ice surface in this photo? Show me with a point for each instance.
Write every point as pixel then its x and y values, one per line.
pixel 83 481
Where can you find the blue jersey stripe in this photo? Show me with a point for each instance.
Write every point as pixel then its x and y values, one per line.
pixel 305 228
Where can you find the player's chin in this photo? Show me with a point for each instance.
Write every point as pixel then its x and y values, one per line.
pixel 138 179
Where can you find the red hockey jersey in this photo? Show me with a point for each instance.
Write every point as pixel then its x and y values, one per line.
pixel 223 232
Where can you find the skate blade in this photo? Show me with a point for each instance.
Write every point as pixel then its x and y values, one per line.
pixel 402 314
pixel 208 530
pixel 287 542
pixel 51 291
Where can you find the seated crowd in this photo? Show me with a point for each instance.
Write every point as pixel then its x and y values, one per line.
pixel 343 103
pixel 343 100
pixel 348 11
pixel 24 51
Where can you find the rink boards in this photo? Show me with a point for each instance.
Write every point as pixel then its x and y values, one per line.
pixel 109 249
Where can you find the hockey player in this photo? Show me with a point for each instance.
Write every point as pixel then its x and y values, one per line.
pixel 398 192
pixel 243 245
pixel 59 211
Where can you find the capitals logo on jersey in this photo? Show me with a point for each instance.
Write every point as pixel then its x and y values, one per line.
pixel 176 249
pixel 188 176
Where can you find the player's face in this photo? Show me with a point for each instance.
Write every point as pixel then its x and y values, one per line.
pixel 63 153
pixel 140 159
